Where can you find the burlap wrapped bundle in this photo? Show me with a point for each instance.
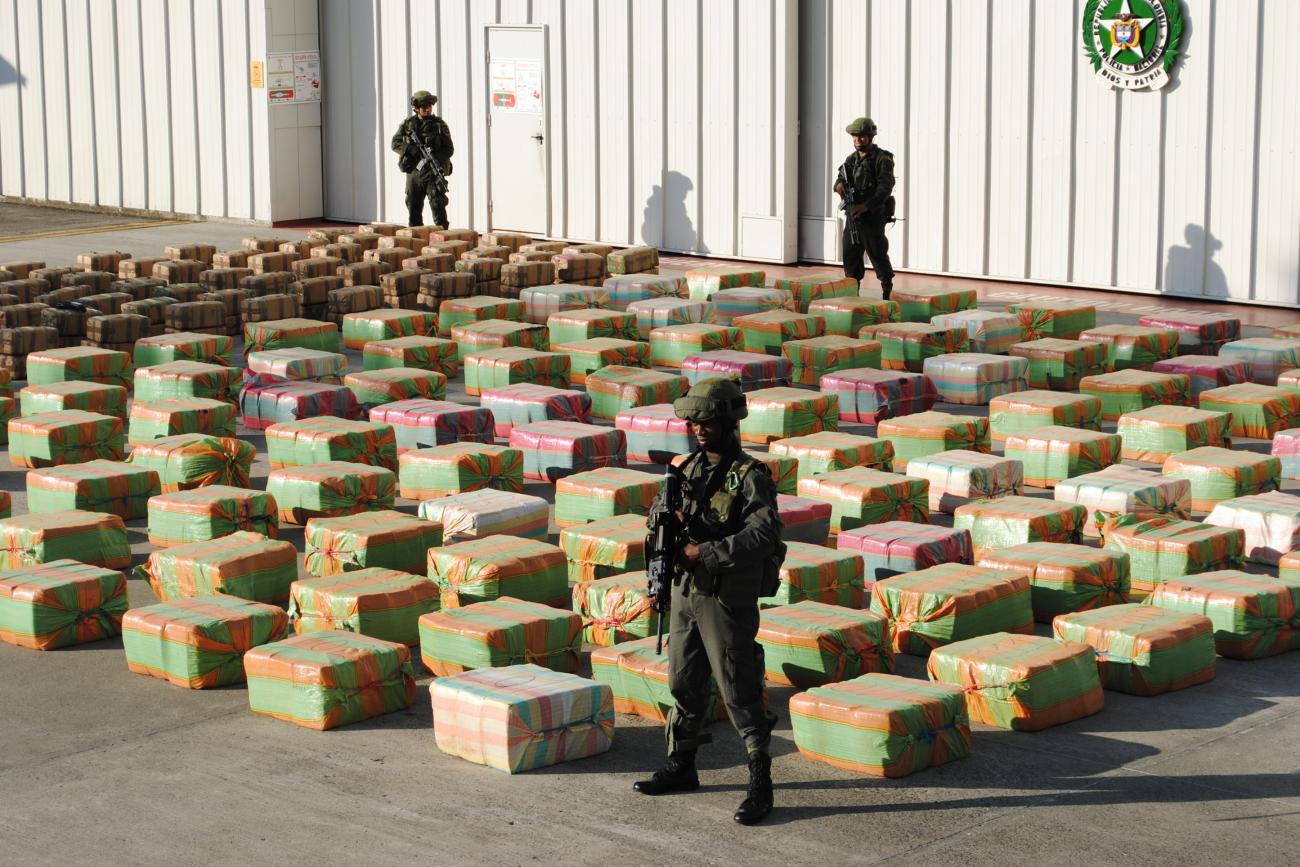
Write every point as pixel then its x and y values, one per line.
pixel 269 308
pixel 25 289
pixel 317 266
pixel 390 257
pixel 344 251
pixel 352 299
pixel 401 288
pixel 139 288
pixel 330 490
pixel 363 274
pixel 106 302
pixel 437 288
pixel 227 259
pixel 175 271
pixel 364 240
pixel 201 252
pixel 633 260
pixel 510 240
pixel 107 260
pixel 224 278
pixel 22 315
pixel 181 291
pixel 454 468
pixel 138 267
pixel 581 268
pixel 195 316
pixel 269 283
pixel 152 309
pixel 60 604
pixel 69 320
pixel 118 331
pixel 98 281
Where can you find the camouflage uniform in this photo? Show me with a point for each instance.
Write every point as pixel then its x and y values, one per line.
pixel 872 177
pixel 422 183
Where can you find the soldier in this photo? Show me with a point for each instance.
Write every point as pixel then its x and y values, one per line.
pixel 730 557
pixel 424 179
pixel 870 172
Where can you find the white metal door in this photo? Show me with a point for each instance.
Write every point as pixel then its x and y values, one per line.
pixel 518 150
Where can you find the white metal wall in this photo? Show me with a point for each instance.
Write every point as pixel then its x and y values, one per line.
pixel 135 104
pixel 1015 162
pixel 673 122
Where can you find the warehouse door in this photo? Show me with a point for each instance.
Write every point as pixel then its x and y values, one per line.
pixel 519 162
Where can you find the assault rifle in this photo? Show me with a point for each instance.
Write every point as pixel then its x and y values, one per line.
pixel 428 160
pixel 661 556
pixel 847 203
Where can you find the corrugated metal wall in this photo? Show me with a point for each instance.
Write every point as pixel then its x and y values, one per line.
pixel 1015 161
pixel 672 122
pixel 136 104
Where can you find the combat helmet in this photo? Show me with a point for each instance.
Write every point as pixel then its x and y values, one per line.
pixel 862 126
pixel 712 398
pixel 422 98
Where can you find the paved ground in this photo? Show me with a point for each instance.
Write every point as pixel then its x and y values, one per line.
pixel 100 763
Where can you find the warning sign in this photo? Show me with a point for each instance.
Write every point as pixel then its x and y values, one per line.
pixel 516 85
pixel 293 77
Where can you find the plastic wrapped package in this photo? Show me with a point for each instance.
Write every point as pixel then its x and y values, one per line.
pixel 820 574
pixel 704 281
pixel 1253 616
pixel 731 304
pixel 476 308
pixel 906 345
pixel 986 331
pixel 604 493
pixel 361 328
pixel 1270 521
pixel 1121 490
pixel 299 364
pixel 808 289
pixel 1021 682
pixel 1163 548
pixel 422 353
pixel 1204 371
pixel 765 332
pixel 1060 321
pixel 928 433
pixel 1054 453
pixel 290 333
pixel 652 313
pixel 330 490
pixel 166 418
pixel 501 632
pixel 1286 448
pixel 961 476
pixel 419 423
pixel 479 514
pixel 921 305
pixel 869 396
pixel 846 316
pixel 521 718
pixel 638 677
pixel 974 378
pixel 623 290
pixel 525 403
pixel 1256 411
pixel 328 679
pixel 588 356
pixel 581 268
pixel 495 368
pixel 1221 474
pixel 194 460
pixel 1131 390
pixel 211 512
pixel 778 413
pixel 828 451
pixel 1016 520
pixel 1288 568
pixel 671 344
pixel 894 547
pixel 79 363
pixel 654 432
pixel 60 603
pixel 183 346
pixel 68 436
pixel 803 519
pixel 1289 379
pixel 783 468
pixel 262 405
pixel 186 379
pixel 1133 347
pixel 375 388
pixel 490 567
pixel 315 440
pixel 816 357
pixel 455 468
pixel 810 644
pixel 383 539
pixel 87 397
pixel 1153 434
pixel 882 725
pixel 571 325
pixel 1060 365
pixel 1264 357
pixel 540 302
pixel 1026 410
pixel 951 602
pixel 859 496
pixel 1064 578
pixel 474 338
pixel 555 449
pixel 243 564
pixel 1142 649
pixel 111 487
pixel 617 388
pixel 752 370
pixel 602 549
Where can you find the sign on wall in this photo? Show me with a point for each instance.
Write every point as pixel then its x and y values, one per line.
pixel 293 77
pixel 1133 44
pixel 516 85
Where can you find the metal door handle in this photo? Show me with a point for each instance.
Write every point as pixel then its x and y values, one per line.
pixel 537 137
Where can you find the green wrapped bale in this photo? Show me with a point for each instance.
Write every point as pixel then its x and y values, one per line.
pixel 68 436
pixel 617 388
pixel 1056 364
pixel 1163 549
pixel 59 604
pixel 330 490
pixel 195 415
pixel 210 512
pixel 1142 649
pixel 603 493
pixel 1126 391
pixel 860 495
pixel 778 413
pixel 811 644
pixel 316 440
pixel 194 460
pixel 604 547
pixel 1219 474
pixel 289 333
pixel 952 602
pixel 497 633
pixel 1055 453
pixel 419 352
pixel 80 364
pixel 638 677
pixel 113 487
pixel 377 387
pixel 614 608
pixel 495 368
pixel 1064 578
pixel 184 346
pixel 481 570
pixel 199 643
pixel 93 538
pixel 1253 616
pixel 384 539
pixel 828 451
pixel 588 356
pixel 84 396
pixel 1016 520
pixel 173 380
pixel 247 565
pixel 382 603
pixel 820 574
pixel 440 471
pixel 927 433
pixel 361 328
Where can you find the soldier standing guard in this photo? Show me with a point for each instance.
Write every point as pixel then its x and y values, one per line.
pixel 869 170
pixel 730 557
pixel 425 178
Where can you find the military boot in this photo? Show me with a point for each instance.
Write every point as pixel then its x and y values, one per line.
pixel 758 800
pixel 885 289
pixel 676 776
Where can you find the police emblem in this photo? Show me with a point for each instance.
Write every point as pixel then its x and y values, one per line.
pixel 1132 44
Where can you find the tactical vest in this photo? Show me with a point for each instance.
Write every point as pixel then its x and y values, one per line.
pixel 862 171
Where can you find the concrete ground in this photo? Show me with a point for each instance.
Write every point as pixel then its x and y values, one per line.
pixel 101 763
